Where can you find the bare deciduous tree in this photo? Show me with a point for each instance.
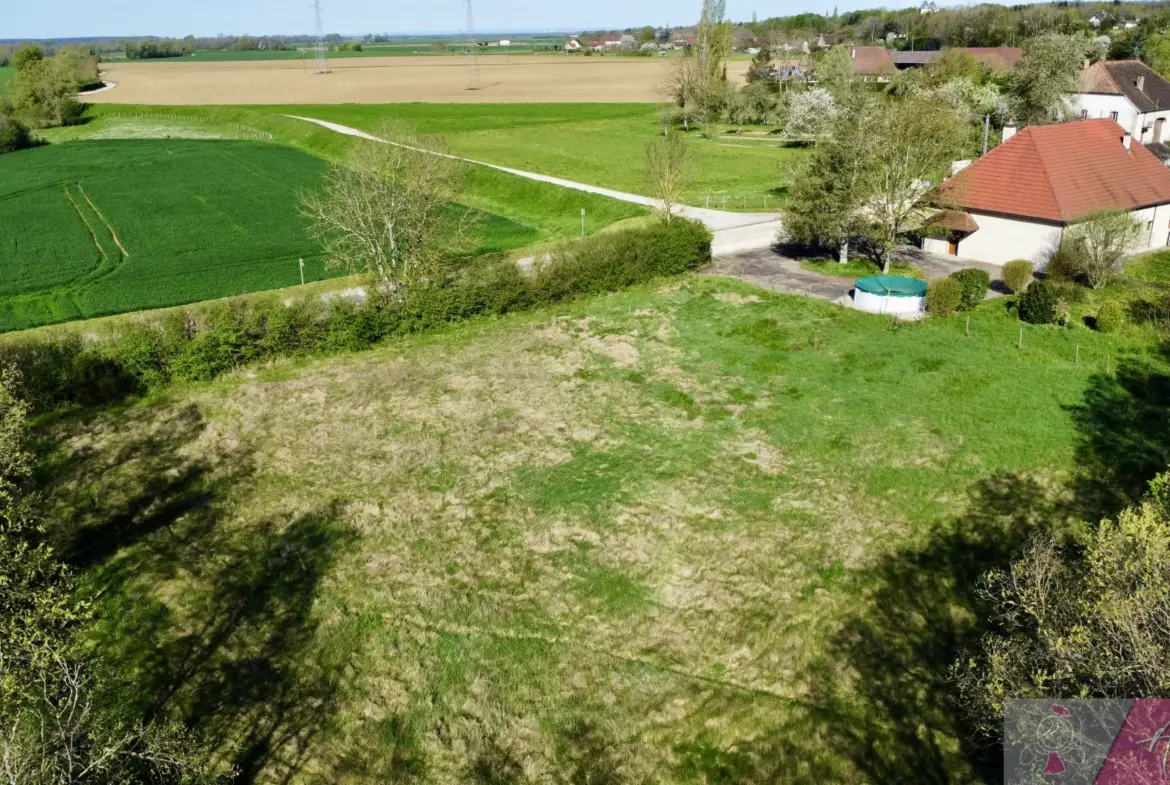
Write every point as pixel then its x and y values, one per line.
pixel 665 172
pixel 1097 245
pixel 390 208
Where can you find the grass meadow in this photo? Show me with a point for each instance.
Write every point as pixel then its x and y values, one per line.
pixel 693 532
pixel 598 144
pixel 6 74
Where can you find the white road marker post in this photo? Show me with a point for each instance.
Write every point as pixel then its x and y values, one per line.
pixel 302 261
pixel 582 222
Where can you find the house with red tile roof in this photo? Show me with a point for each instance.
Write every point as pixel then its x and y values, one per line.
pixel 873 62
pixel 1016 201
pixel 993 58
pixel 1130 92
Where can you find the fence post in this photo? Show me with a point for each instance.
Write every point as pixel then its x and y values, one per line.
pixel 1078 354
pixel 968 325
pixel 1021 344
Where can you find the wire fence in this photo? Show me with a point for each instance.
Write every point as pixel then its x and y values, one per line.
pixel 730 200
pixel 243 131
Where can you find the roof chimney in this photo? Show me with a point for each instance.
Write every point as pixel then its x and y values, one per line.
pixel 1009 129
pixel 1141 83
pixel 1127 140
pixel 1086 63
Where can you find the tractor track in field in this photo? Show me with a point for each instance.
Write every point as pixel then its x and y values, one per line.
pixel 104 220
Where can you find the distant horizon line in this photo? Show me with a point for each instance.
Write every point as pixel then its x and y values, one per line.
pixel 421 34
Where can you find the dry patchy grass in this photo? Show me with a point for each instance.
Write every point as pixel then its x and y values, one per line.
pixel 647 538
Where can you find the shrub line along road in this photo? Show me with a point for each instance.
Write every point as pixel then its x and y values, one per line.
pixel 734 232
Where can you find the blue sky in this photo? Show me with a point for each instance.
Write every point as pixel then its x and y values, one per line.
pixel 68 18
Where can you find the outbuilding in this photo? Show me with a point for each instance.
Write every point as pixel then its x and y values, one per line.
pixel 1016 201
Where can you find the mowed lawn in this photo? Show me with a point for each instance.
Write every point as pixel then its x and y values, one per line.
pixel 102 227
pixel 6 74
pixel 694 532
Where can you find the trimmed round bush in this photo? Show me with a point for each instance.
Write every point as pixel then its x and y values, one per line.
pixel 973 285
pixel 1037 305
pixel 1110 316
pixel 944 296
pixel 1017 275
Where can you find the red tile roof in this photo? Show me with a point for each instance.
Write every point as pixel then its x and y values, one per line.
pixel 873 61
pixel 996 58
pixel 1060 173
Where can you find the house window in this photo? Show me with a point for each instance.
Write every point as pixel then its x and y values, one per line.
pixel 1084 114
pixel 1113 115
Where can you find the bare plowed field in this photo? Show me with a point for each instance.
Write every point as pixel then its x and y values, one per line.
pixel 522 79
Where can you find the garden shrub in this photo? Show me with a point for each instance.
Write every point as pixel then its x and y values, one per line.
pixel 1110 317
pixel 944 296
pixel 1037 305
pixel 974 284
pixel 1017 275
pixel 199 343
pixel 1063 266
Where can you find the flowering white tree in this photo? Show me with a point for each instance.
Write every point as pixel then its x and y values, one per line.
pixel 810 113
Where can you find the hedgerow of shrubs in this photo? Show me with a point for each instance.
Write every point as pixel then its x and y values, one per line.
pixel 1110 317
pixel 944 296
pixel 203 342
pixel 1017 275
pixel 973 284
pixel 1038 303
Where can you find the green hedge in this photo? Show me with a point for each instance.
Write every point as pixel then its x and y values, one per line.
pixel 202 342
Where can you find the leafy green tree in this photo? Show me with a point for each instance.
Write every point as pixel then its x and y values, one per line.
pixel 1092 620
pixel 913 143
pixel 761 67
pixel 1157 53
pixel 26 56
pixel 1046 75
pixel 834 70
pixel 44 92
pixel 867 180
pixel 826 201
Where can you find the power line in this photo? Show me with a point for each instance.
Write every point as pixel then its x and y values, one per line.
pixel 319 41
pixel 473 82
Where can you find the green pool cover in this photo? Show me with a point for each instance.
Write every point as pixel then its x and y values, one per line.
pixel 892 286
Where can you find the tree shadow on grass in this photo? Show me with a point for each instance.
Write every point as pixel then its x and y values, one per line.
pixel 879 704
pixel 881 701
pixel 203 615
pixel 1124 436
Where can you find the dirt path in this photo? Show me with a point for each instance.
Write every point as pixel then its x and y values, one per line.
pixel 716 220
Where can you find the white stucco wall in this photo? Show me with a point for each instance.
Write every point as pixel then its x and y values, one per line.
pixel 1001 239
pixel 1099 105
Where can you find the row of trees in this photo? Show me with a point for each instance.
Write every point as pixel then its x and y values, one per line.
pixel 978 25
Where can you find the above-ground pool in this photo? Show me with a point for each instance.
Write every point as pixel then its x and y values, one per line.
pixel 891 294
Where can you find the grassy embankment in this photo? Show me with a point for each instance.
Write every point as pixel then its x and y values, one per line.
pixel 6 74
pixel 689 533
